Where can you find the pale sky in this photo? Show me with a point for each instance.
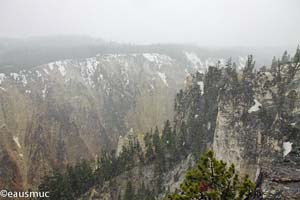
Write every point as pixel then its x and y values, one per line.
pixel 203 22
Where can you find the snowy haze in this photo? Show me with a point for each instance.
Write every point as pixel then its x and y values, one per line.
pixel 203 22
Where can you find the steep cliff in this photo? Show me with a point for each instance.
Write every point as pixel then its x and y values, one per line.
pixel 64 111
pixel 253 116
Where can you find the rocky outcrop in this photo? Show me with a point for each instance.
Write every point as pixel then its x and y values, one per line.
pixel 253 119
pixel 257 129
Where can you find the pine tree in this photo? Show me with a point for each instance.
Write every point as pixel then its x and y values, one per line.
pixel 129 192
pixel 282 80
pixel 181 143
pixel 107 168
pixel 229 63
pixel 296 58
pixel 274 64
pixel 58 186
pixel 149 155
pixel 285 58
pixel 211 179
pixel 159 153
pixel 168 142
pixel 294 67
pixel 195 120
pixel 142 192
pixel 139 152
pixel 80 177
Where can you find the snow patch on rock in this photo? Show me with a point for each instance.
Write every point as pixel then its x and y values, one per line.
pixel 242 62
pixel 208 125
pixel 287 148
pixel 44 92
pixel 15 76
pixel 201 85
pixel 2 77
pixel 61 68
pixel 158 58
pixel 194 59
pixel 46 71
pixel 3 89
pixel 24 80
pixel 16 140
pixel 163 78
pixel 256 107
pixel 88 71
pixel 51 66
pixel 38 73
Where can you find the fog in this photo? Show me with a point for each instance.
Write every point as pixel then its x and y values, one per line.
pixel 202 22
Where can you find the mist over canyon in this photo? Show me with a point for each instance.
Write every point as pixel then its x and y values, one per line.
pixel 56 114
pixel 150 100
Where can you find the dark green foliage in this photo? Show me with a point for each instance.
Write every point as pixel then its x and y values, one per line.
pixel 149 155
pixel 195 120
pixel 158 152
pixel 107 167
pixel 212 179
pixel 181 146
pixel 67 186
pixel 169 143
pixel 80 177
pixel 212 85
pixel 284 72
pixel 285 58
pixel 58 186
pixel 129 192
pixel 296 58
pixel 245 89
pixel 144 194
pixel 166 149
pixel 274 64
pixel 294 66
pixel 77 180
pixel 110 165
